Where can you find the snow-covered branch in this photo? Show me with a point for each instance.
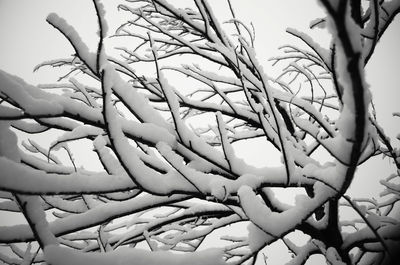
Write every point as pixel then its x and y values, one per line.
pixel 163 121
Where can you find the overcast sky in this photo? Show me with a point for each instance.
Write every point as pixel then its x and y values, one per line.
pixel 27 39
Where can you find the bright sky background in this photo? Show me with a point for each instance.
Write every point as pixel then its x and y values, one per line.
pixel 26 39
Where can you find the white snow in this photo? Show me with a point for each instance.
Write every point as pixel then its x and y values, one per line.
pixel 333 257
pixel 91 217
pixel 322 52
pixel 80 47
pixel 142 175
pixel 33 211
pixel 8 112
pixel 103 21
pixel 8 143
pixel 79 132
pixel 21 178
pixel 63 256
pixel 27 96
pixel 257 237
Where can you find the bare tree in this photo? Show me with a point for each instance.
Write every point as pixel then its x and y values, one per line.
pixel 170 183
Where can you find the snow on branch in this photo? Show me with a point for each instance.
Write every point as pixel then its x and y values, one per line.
pixel 165 118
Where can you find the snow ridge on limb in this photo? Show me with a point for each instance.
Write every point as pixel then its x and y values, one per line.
pixel 23 179
pixel 62 256
pixel 81 49
pixel 32 100
pixel 30 206
pixel 281 128
pixel 91 218
pixel 175 182
pixel 141 175
pixel 356 97
pixel 34 214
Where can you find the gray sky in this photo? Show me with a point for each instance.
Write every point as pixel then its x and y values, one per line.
pixel 27 39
